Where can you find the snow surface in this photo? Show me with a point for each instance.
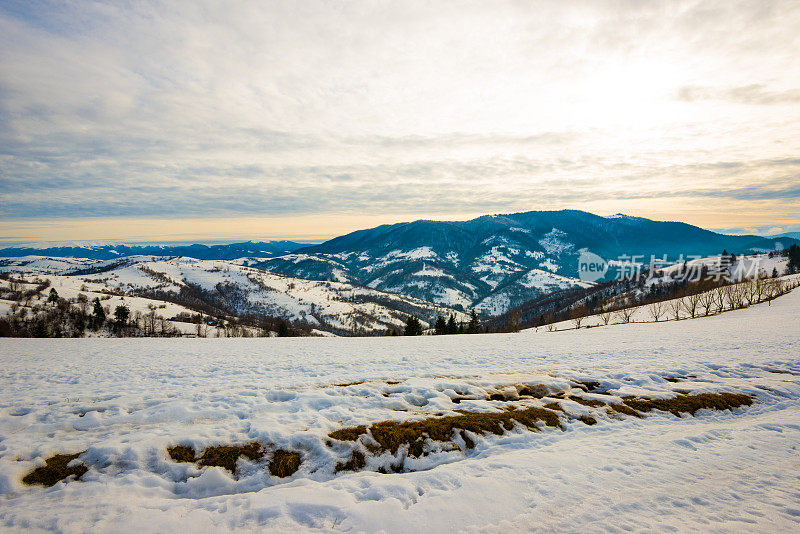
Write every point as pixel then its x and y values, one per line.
pixel 126 400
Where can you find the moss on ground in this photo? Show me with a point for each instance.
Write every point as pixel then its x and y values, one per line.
pixel 55 469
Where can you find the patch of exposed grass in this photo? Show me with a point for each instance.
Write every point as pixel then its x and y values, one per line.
pixel 678 378
pixel 554 406
pixel 586 385
pixel 781 371
pixel 534 390
pixel 624 409
pixel 391 435
pixel 181 453
pixel 592 403
pixel 226 455
pixel 348 434
pixel 345 384
pixel 355 463
pixel 691 403
pixel 284 463
pixel 55 469
pixel 587 419
pixel 468 442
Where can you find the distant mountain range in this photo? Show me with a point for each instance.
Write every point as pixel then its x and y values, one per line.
pixel 229 251
pixel 496 262
pixel 793 235
pixel 492 263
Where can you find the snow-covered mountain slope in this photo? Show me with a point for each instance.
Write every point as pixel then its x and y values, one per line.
pixel 336 307
pixel 124 401
pixel 497 262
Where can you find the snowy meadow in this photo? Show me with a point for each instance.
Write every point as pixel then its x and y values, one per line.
pixel 607 462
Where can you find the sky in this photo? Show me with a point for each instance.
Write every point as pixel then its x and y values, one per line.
pixel 305 120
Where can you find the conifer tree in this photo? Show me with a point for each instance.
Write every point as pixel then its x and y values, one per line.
pixel 99 313
pixel 121 314
pixel 441 326
pixel 413 326
pixel 452 326
pixel 474 325
pixel 53 296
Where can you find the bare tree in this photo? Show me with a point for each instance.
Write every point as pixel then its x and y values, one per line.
pixel 751 292
pixel 625 314
pixel 707 301
pixel 578 314
pixel 605 316
pixel 719 298
pixel 675 307
pixel 548 322
pixel 691 303
pixel 656 309
pixel 83 303
pixel 736 295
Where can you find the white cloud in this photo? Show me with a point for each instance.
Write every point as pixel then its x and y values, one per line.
pixel 193 108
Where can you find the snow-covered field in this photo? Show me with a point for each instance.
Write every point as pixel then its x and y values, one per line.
pixel 125 401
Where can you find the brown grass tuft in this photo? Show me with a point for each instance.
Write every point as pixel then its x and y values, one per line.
pixel 691 403
pixel 592 403
pixel 624 409
pixel 391 435
pixel 226 455
pixel 534 390
pixel 356 462
pixel 181 453
pixel 587 419
pixel 348 434
pixel 586 385
pixel 284 463
pixel 55 469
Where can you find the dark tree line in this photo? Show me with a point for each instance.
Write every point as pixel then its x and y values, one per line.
pixel 444 326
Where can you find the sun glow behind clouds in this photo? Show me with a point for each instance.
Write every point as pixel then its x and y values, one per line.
pixel 294 111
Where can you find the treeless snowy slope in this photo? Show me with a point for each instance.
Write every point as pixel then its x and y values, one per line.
pixel 126 400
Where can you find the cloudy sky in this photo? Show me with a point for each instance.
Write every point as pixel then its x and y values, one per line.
pixel 223 120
